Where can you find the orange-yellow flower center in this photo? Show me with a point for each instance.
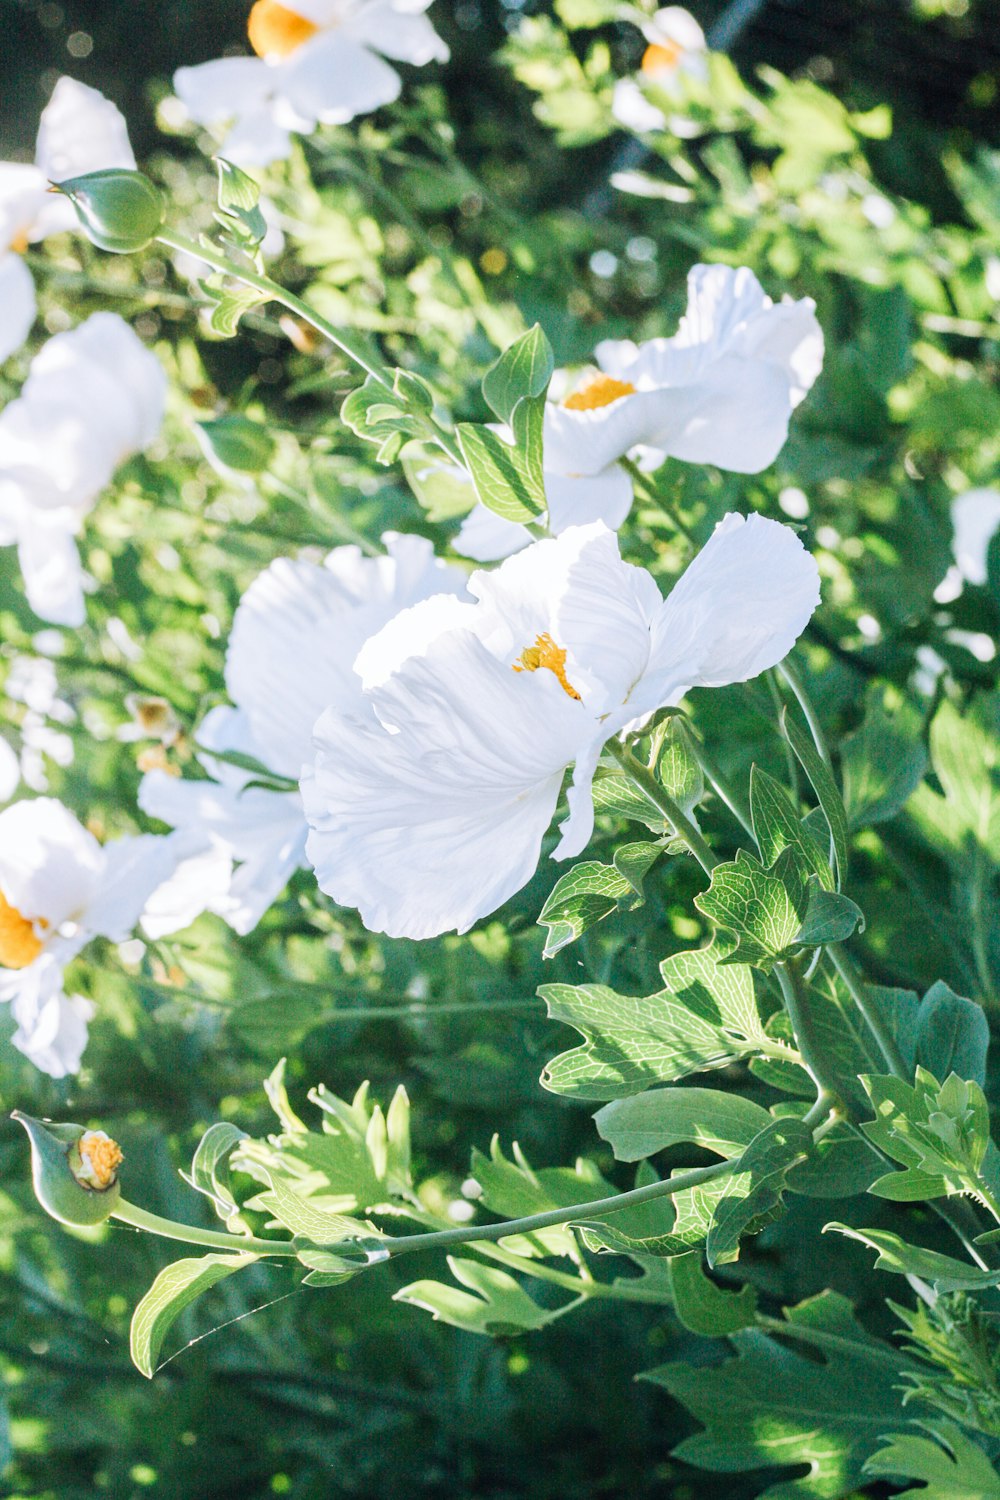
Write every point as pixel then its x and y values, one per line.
pixel 275 31
pixel 19 243
pixel 545 653
pixel 599 390
pixel 662 57
pixel 20 945
pixel 100 1156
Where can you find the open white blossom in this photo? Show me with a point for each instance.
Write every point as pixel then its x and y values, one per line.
pixel 93 396
pixel 721 391
pixel 676 50
pixel 428 803
pixel 975 517
pixel 318 62
pixel 296 634
pixel 80 131
pixel 59 888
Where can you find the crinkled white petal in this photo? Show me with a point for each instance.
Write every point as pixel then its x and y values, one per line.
pixel 197 884
pixel 105 349
pixel 53 576
pixel 50 866
pixel 404 36
pixel 23 191
pixel 331 79
pixel 975 517
pixel 631 108
pixel 736 610
pixel 579 500
pixel 133 868
pixel 17 303
pixel 51 1025
pixel 435 825
pixel 80 131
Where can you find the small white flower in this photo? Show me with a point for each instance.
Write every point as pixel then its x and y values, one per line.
pixel 975 517
pixel 676 50
pixel 295 637
pixel 93 396
pixel 80 131
pixel 721 391
pixel 59 888
pixel 428 803
pixel 318 62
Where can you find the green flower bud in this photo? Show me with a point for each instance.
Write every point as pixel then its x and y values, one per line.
pixel 73 1171
pixel 119 210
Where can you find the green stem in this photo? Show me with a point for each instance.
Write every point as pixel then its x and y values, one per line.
pixel 642 777
pixel 169 1229
pixel 720 785
pixel 405 1244
pixel 346 531
pixel 808 1044
pixel 855 987
pixel 652 494
pixel 791 762
pixel 791 676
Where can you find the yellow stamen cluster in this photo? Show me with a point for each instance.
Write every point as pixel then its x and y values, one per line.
pixel 19 244
pixel 545 653
pixel 276 31
pixel 599 390
pixel 661 57
pixel 100 1157
pixel 20 945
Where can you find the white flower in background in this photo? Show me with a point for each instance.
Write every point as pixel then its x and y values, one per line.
pixel 318 62
pixel 428 807
pixel 295 637
pixel 975 517
pixel 93 397
pixel 676 50
pixel 32 681
pixel 10 770
pixel 721 391
pixel 59 888
pixel 80 131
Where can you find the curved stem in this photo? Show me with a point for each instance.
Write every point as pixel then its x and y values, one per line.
pixel 169 1229
pixel 812 1053
pixel 791 676
pixel 887 1042
pixel 651 789
pixel 720 786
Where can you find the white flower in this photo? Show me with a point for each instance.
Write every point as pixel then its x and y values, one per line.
pixel 318 62
pixel 427 808
pixel 93 397
pixel 80 131
pixel 975 517
pixel 59 888
pixel 296 634
pixel 720 391
pixel 676 50
pixel 32 682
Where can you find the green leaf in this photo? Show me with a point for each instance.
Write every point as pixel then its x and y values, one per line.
pixel 677 770
pixel 842 1165
pixel 497 1304
pixel 705 1017
pixel 824 786
pixel 303 1219
pixel 508 480
pixel 379 415
pixel 666 1226
pixel 229 303
pixel 894 1254
pixel 239 197
pixel 586 14
pixel 522 372
pixel 174 1289
pixel 755 1189
pixel 953 1034
pixel 882 763
pixel 830 918
pixel 589 892
pixel 442 488
pixel 951 1466
pixel 646 1123
pixel 940 1133
pixel 966 755
pixel 764 909
pixel 514 1189
pixel 704 1308
pixel 210 1167
pixel 773 1407
pixel 233 442
pixel 777 826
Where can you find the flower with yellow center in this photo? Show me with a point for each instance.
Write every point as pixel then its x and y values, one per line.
pixel 675 54
pixel 597 391
pixel 428 802
pixel 100 1158
pixel 317 62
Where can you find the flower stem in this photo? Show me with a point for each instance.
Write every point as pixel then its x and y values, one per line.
pixel 791 676
pixel 805 1037
pixel 644 780
pixel 169 1229
pixel 719 784
pixel 852 980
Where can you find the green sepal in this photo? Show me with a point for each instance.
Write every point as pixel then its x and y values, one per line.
pixel 57 1190
pixel 119 210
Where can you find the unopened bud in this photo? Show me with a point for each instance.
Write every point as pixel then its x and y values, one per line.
pixel 74 1171
pixel 119 210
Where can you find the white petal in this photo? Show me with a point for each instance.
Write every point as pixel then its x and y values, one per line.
pixel 23 193
pixel 976 519
pixel 406 37
pixel 434 826
pixel 50 866
pixel 79 131
pixel 737 610
pixel 577 501
pixel 133 868
pixel 332 79
pixel 259 138
pixel 53 577
pixel 486 537
pixel 17 303
pixel 195 886
pixel 215 92
pixel 104 349
pixel 587 442
pixel 52 1026
pixel 632 109
pixel 10 771
pixel 279 850
pixel 674 24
